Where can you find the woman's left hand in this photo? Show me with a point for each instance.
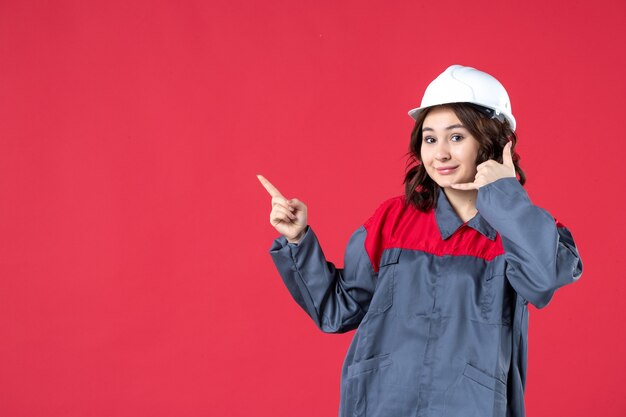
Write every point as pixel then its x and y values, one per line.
pixel 490 171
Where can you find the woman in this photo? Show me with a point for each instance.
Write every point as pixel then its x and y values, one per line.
pixel 438 280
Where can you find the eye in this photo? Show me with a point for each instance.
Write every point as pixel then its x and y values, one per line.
pixel 456 138
pixel 429 139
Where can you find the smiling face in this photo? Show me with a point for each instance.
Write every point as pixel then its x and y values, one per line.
pixel 448 149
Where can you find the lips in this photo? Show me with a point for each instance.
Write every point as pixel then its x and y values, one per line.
pixel 446 170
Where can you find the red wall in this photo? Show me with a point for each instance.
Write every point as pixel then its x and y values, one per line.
pixel 134 269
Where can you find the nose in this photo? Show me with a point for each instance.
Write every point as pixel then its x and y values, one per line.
pixel 442 153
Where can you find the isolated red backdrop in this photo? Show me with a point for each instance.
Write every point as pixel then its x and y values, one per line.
pixel 134 269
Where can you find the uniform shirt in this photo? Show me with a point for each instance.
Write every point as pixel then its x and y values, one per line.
pixel 440 306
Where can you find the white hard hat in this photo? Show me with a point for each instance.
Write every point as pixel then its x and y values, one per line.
pixel 459 84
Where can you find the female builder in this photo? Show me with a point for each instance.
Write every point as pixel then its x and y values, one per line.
pixel 438 280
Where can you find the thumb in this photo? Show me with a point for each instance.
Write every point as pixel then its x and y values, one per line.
pixel 507 155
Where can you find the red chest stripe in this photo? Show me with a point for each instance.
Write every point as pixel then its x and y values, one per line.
pixel 395 225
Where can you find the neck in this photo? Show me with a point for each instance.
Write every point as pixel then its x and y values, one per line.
pixel 463 202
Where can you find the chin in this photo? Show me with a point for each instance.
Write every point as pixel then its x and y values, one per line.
pixel 443 183
pixel 444 180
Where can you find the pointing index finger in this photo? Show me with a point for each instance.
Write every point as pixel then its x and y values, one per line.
pixel 273 191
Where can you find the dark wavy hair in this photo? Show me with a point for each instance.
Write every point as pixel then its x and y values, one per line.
pixel 491 134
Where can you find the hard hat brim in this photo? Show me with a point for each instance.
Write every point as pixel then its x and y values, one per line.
pixel 509 117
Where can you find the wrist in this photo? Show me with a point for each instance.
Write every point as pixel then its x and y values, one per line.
pixel 298 238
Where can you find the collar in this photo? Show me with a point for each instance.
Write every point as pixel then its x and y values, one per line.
pixel 449 222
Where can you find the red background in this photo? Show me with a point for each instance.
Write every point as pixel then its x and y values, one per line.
pixel 134 269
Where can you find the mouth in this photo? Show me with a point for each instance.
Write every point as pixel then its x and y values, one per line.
pixel 446 170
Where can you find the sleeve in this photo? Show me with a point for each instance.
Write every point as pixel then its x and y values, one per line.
pixel 336 299
pixel 540 253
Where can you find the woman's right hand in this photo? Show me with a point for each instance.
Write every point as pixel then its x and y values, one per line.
pixel 289 217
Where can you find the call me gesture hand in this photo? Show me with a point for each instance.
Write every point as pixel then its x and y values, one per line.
pixel 490 171
pixel 289 217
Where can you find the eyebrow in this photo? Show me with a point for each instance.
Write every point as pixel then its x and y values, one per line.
pixel 456 126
